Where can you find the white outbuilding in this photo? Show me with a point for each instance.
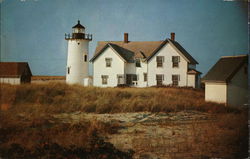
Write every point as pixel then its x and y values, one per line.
pixel 227 81
pixel 143 64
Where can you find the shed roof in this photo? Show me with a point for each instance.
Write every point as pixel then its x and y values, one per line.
pixel 193 71
pixel 225 68
pixel 13 69
pixel 140 49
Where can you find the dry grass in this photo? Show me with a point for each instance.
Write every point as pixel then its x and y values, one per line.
pixel 62 98
pixel 28 129
pixel 45 137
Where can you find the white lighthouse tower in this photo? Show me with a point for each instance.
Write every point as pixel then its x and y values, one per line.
pixel 77 60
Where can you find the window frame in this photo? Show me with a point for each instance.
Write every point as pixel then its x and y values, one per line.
pixel 145 77
pixel 108 62
pixel 175 61
pixel 159 63
pixel 68 70
pixel 85 58
pixel 159 79
pixel 175 81
pixel 135 77
pixel 120 77
pixel 137 62
pixel 104 79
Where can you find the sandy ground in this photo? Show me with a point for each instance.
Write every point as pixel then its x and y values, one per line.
pixel 186 134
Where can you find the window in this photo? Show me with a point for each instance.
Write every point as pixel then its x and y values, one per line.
pixel 175 80
pixel 137 63
pixel 120 79
pixel 145 75
pixel 175 60
pixel 68 69
pixel 135 77
pixel 159 79
pixel 159 61
pixel 85 58
pixel 105 79
pixel 108 62
pixel 131 79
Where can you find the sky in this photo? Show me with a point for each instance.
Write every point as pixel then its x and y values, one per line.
pixel 33 30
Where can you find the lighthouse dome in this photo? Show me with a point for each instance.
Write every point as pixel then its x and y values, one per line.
pixel 78 28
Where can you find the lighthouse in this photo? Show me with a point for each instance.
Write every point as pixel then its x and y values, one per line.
pixel 77 59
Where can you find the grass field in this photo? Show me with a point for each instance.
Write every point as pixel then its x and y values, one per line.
pixel 29 128
pixel 61 98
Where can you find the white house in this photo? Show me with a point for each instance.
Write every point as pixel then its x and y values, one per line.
pixel 15 72
pixel 143 63
pixel 227 81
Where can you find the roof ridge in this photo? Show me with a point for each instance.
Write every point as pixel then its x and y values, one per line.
pixel 243 55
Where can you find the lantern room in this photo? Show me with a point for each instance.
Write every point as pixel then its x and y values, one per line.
pixel 78 28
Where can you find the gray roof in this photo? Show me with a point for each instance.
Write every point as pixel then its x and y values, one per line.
pixel 126 54
pixel 193 71
pixel 130 50
pixel 225 68
pixel 140 49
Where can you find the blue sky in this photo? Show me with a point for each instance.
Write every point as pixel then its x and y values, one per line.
pixel 33 30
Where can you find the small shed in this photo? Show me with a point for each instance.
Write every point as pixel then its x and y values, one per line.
pixel 227 81
pixel 15 72
pixel 193 78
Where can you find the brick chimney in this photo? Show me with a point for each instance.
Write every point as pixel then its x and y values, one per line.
pixel 125 37
pixel 173 36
